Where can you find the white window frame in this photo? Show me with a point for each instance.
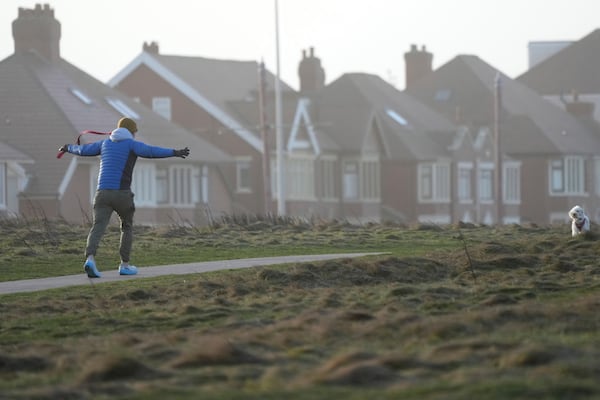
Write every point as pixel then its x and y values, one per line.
pixel 144 184
pixel 464 182
pixel 485 183
pixel 81 96
pixel 162 185
pixel 243 177
pixel 434 182
pixel 3 188
pixel 162 106
pixel 300 182
pixel 370 179
pixel 597 175
pixel 328 178
pixel 183 185
pixel 122 108
pixel 350 179
pixel 204 184
pixel 94 169
pixel 566 176
pixel 511 182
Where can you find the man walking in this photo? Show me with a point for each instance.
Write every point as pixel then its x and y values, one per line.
pixel 118 155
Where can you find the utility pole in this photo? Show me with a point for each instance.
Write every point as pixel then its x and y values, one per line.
pixel 278 125
pixel 264 130
pixel 497 147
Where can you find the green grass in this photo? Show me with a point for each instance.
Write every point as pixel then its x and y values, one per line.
pixel 450 313
pixel 36 250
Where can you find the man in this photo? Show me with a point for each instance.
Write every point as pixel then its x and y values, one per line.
pixel 118 155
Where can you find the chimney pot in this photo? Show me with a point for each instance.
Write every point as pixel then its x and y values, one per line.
pixel 151 47
pixel 312 74
pixel 37 29
pixel 418 64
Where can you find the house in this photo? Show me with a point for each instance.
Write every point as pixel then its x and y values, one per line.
pixel 46 102
pixel 351 147
pixel 367 142
pixel 199 93
pixel 547 156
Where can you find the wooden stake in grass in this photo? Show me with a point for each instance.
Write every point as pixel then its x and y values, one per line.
pixel 464 242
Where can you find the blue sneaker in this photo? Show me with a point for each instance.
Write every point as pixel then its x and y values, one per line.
pixel 127 270
pixel 91 270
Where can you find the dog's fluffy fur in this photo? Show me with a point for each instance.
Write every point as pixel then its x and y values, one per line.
pixel 580 222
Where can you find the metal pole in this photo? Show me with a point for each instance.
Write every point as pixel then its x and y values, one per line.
pixel 497 150
pixel 278 125
pixel 264 130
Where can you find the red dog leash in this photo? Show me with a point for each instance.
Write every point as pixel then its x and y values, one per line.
pixel 62 153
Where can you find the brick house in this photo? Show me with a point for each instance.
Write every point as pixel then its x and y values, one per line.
pixel 548 155
pixel 46 102
pixel 214 99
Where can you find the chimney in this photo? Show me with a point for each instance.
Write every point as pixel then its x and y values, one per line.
pixel 151 47
pixel 418 64
pixel 580 109
pixel 37 29
pixel 312 74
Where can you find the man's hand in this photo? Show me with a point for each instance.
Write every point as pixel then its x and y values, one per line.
pixel 64 149
pixel 183 153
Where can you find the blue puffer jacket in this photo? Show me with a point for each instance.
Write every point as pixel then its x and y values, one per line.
pixel 118 155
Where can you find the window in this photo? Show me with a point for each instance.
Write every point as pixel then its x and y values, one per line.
pixel 183 185
pixel 2 186
pixel 162 186
pixel 434 182
pixel 396 117
pixel 486 183
pixel 143 184
pixel 597 175
pixel 328 181
pixel 81 96
pixel 204 184
pixel 177 185
pixel 243 184
pixel 300 179
pixel 567 176
pixel 511 190
pixel 465 178
pixel 122 108
pixel 370 180
pixel 162 106
pixel 94 168
pixel 350 181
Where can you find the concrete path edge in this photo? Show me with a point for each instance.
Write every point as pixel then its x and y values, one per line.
pixel 34 285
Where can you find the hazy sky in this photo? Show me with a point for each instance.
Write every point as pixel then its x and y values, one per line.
pixel 102 36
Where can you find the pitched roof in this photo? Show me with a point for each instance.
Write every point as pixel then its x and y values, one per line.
pixel 49 103
pixel 574 68
pixel 211 83
pixel 529 123
pixel 351 105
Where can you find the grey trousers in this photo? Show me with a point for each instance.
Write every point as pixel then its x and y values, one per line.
pixel 105 202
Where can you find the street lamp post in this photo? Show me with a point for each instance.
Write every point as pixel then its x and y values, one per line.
pixel 278 125
pixel 497 144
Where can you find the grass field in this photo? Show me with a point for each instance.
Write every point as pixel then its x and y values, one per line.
pixel 457 312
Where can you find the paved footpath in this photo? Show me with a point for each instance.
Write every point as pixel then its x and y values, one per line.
pixel 34 285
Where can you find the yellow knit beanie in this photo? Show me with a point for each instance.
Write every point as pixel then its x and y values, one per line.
pixel 127 123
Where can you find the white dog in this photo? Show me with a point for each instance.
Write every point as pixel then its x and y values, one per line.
pixel 580 222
